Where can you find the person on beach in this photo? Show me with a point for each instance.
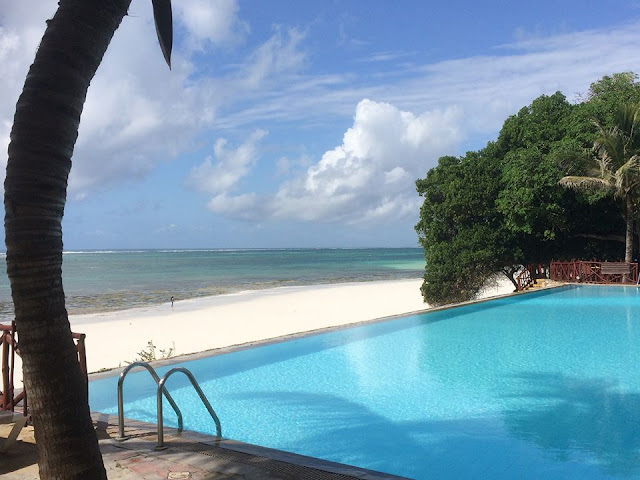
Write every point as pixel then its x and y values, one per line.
pixel 171 301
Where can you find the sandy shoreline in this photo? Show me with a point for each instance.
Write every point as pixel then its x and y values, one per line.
pixel 196 325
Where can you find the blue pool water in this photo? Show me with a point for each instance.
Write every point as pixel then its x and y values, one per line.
pixel 544 385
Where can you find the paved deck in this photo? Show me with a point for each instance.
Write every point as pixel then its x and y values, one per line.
pixel 188 456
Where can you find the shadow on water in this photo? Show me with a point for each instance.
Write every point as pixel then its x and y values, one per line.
pixel 347 432
pixel 594 417
pixel 456 448
pixel 563 428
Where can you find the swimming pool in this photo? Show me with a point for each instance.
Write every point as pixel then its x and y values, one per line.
pixel 543 385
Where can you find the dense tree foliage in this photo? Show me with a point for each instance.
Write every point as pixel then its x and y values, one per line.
pixel 616 166
pixel 461 229
pixel 503 206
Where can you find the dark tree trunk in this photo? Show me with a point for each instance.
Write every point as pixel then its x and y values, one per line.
pixel 628 252
pixel 43 136
pixel 510 273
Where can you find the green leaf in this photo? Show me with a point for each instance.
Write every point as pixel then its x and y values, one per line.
pixel 164 26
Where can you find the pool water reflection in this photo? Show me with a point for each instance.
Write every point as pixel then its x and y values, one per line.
pixel 543 385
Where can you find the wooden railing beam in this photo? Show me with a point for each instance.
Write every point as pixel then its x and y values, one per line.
pixel 10 349
pixel 594 272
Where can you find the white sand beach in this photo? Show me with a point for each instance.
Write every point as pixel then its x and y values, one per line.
pixel 197 325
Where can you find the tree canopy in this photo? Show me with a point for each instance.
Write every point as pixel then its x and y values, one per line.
pixel 461 230
pixel 616 165
pixel 501 207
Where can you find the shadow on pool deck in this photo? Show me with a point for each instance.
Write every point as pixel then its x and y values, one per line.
pixel 191 455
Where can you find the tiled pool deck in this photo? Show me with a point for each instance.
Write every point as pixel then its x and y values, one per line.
pixel 188 456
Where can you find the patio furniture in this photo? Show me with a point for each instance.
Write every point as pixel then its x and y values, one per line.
pixel 18 420
pixel 615 272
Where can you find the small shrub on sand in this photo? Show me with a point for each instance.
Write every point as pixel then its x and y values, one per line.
pixel 148 354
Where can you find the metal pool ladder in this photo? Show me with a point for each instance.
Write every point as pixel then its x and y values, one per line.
pixel 160 382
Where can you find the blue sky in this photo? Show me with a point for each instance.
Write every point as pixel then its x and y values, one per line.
pixel 302 124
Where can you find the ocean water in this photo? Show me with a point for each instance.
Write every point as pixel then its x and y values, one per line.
pixel 97 281
pixel 537 386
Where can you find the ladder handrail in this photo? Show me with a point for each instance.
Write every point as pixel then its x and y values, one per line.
pixel 197 388
pixel 155 376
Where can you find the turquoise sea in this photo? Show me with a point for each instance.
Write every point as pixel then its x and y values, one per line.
pixel 97 281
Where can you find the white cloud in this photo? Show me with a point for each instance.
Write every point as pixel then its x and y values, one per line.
pixel 398 174
pixel 245 206
pixel 370 176
pixel 283 165
pixel 214 21
pixel 5 129
pixel 488 87
pixel 286 166
pixel 138 113
pixel 170 228
pixel 278 55
pixel 229 167
pixel 387 56
pixel 366 179
pixel 21 27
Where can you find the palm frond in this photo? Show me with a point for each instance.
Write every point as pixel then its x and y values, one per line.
pixel 602 163
pixel 164 27
pixel 628 175
pixel 611 141
pixel 631 167
pixel 586 184
pixel 627 119
pixel 615 155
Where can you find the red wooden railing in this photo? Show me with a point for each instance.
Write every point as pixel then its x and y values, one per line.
pixel 523 280
pixel 529 275
pixel 11 348
pixel 594 272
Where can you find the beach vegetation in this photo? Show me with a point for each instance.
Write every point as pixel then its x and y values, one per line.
pixel 148 354
pixel 42 141
pixel 504 206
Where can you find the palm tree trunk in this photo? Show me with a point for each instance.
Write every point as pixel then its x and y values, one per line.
pixel 43 137
pixel 628 253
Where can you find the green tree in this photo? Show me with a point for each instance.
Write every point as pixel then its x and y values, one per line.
pixel 616 169
pixel 461 231
pixel 542 143
pixel 534 207
pixel 503 206
pixel 42 140
pixel 541 125
pixel 600 104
